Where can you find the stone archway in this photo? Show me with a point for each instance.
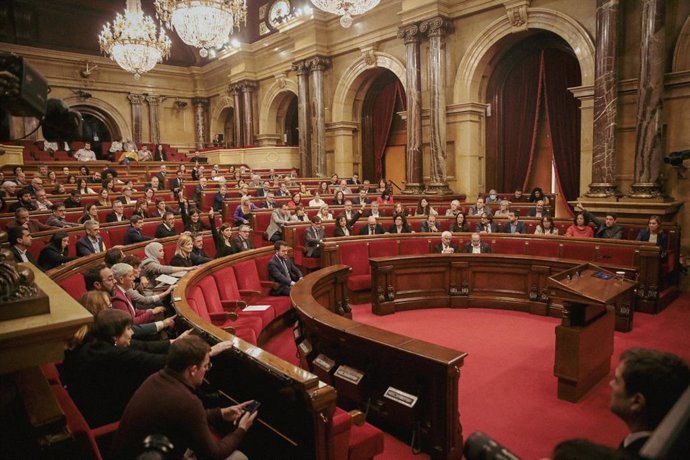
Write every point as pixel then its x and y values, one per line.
pixel 274 106
pixel 469 92
pixel 217 114
pixel 348 102
pixel 108 113
pixel 681 53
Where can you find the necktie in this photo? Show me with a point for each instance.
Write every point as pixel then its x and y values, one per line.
pixel 287 272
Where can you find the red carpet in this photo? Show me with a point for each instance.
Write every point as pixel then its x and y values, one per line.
pixel 507 387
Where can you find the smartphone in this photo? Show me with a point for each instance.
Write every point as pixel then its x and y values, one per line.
pixel 252 407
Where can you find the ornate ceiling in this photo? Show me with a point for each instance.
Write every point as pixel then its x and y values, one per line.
pixel 74 25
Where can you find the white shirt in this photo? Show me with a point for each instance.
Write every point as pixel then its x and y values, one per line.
pixel 476 249
pixel 85 155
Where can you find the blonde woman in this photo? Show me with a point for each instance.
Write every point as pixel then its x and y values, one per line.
pixel 183 252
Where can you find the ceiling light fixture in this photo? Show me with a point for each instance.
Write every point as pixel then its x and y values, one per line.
pixel 204 24
pixel 345 8
pixel 134 41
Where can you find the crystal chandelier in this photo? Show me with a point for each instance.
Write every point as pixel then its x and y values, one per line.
pixel 133 40
pixel 202 23
pixel 345 8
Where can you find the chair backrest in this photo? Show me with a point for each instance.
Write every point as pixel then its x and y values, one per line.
pixel 227 284
pixel 247 275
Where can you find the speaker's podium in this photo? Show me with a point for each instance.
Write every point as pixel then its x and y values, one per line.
pixel 584 339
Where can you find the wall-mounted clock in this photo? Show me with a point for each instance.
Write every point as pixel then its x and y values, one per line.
pixel 279 10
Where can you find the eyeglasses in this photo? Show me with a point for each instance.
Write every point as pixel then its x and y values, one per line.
pixel 208 366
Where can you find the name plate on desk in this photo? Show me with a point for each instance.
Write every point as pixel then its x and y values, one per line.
pixel 324 362
pixel 349 374
pixel 305 347
pixel 400 397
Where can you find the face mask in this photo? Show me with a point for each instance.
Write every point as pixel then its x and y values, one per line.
pixel 493 196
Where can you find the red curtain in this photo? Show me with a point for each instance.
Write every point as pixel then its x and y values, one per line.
pixel 520 117
pixel 562 71
pixel 384 110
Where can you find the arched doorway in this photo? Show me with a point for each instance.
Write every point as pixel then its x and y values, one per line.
pixel 383 131
pixel 226 122
pixel 99 127
pixel 533 135
pixel 290 123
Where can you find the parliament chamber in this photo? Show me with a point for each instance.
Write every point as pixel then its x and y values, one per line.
pixel 514 113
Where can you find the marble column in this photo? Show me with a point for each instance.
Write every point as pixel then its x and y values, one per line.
pixel 248 88
pixel 436 30
pixel 317 65
pixel 236 91
pixel 137 130
pixel 605 102
pixel 201 121
pixel 154 118
pixel 414 178
pixel 650 91
pixel 302 70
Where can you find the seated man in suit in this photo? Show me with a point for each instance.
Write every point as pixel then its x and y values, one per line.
pixel 270 202
pixel 430 224
pixel 134 234
pixel 219 197
pixel 446 246
pixel 199 255
pixel 475 246
pixel 514 225
pixel 607 229
pixel 22 219
pixel 243 242
pixel 486 224
pixel 313 237
pixel 118 213
pixel 537 210
pixel 265 189
pixel 372 228
pixel 167 227
pixel 20 242
pixel 177 184
pixel 646 385
pixel 282 271
pixel 199 192
pixel 374 210
pixel 361 197
pixel 91 243
pixel 479 208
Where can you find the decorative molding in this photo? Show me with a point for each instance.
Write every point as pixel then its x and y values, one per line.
pixel 517 13
pixel 369 56
pixel 409 34
pixel 436 27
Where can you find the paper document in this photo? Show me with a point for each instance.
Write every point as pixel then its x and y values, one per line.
pixel 256 308
pixel 167 279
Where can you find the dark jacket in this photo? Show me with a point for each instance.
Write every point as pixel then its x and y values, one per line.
pixel 377 231
pixel 519 228
pixel 483 247
pixel 51 256
pixel 162 231
pixel 85 248
pixel 101 378
pixel 134 235
pixel 222 249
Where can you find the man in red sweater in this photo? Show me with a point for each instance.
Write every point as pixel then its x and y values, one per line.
pixel 166 404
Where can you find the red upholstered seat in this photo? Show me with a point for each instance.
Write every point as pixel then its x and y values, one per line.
pixel 116 234
pixel 507 246
pixel 617 255
pixel 383 248
pixel 359 282
pixel 213 303
pixel 366 441
pixel 356 255
pixel 209 246
pixel 229 291
pixel 247 276
pixel 415 246
pixel 36 246
pixel 340 433
pixel 74 286
pixel 543 248
pixel 106 240
pixel 169 252
pixel 149 228
pixel 248 279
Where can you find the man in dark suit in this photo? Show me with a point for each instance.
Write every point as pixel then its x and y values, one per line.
pixel 282 271
pixel 372 228
pixel 430 225
pixel 646 385
pixel 486 224
pixel 354 180
pixel 91 243
pixel 161 175
pixel 199 255
pixel 20 242
pixel 361 197
pixel 265 189
pixel 134 234
pixel 118 213
pixel 475 246
pixel 199 192
pixel 537 210
pixel 608 229
pixel 242 242
pixel 313 237
pixel 219 197
pixel 22 219
pixel 446 246
pixel 514 225
pixel 177 184
pixel 167 227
